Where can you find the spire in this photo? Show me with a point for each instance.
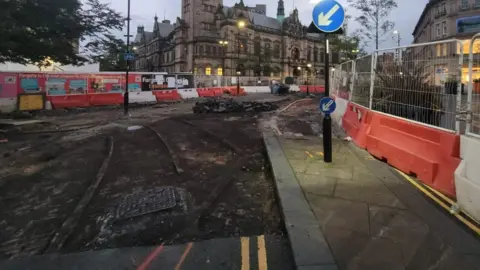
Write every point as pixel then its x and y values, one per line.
pixel 155 26
pixel 280 11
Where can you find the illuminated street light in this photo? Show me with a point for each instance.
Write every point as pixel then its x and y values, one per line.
pixel 241 24
pixel 299 68
pixel 223 42
pixel 309 65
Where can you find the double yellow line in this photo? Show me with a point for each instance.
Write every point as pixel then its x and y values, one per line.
pixel 261 253
pixel 430 193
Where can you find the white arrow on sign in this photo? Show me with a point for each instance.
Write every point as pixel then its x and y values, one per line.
pixel 326 106
pixel 324 20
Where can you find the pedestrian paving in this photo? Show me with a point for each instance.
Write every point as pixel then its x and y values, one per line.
pixel 369 215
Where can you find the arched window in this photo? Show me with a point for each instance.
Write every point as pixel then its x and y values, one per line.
pixel 208 70
pixel 295 54
pixel 276 50
pixel 315 54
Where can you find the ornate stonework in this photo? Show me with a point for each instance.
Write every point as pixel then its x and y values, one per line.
pixel 266 46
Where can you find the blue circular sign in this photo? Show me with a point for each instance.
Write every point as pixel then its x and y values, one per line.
pixel 327 105
pixel 328 16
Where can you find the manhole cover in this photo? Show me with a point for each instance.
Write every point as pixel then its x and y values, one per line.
pixel 152 200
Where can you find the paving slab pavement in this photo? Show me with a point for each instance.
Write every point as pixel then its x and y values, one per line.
pixel 367 215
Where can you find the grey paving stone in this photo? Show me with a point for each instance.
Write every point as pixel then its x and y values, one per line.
pixel 340 213
pixel 326 171
pixel 309 246
pixel 295 154
pixel 318 267
pixel 368 191
pixel 316 184
pixel 298 166
pixel 308 243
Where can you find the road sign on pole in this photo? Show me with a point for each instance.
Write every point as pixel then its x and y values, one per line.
pixel 328 16
pixel 327 105
pixel 129 56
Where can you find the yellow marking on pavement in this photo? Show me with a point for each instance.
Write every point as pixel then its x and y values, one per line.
pixel 469 224
pixel 308 153
pixel 262 253
pixel 369 158
pixel 245 241
pixel 184 256
pixel 320 153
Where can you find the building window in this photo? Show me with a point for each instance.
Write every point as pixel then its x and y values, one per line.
pixel 208 71
pixel 195 71
pixel 276 51
pixel 444 27
pixel 437 27
pixel 219 71
pixel 315 54
pixel 208 49
pixel 463 4
pixel 477 3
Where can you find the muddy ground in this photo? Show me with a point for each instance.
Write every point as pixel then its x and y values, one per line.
pixel 210 171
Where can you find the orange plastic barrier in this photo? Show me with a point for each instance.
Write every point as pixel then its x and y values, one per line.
pixel 105 99
pixel 218 91
pixel 313 89
pixel 232 90
pixel 205 92
pixel 431 154
pixel 68 101
pixel 355 122
pixel 167 95
pixel 319 89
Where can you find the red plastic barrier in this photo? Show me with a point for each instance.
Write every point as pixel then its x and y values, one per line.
pixel 68 101
pixel 355 122
pixel 218 91
pixel 167 95
pixel 105 99
pixel 303 88
pixel 205 92
pixel 232 90
pixel 319 89
pixel 430 153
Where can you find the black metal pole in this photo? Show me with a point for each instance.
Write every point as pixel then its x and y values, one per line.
pixel 238 61
pixel 327 120
pixel 125 96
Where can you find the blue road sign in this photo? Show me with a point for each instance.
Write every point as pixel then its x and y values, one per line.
pixel 327 105
pixel 328 16
pixel 129 57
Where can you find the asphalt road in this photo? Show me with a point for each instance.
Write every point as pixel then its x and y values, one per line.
pixel 244 253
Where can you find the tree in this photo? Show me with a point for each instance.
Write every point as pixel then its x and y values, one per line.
pixel 113 59
pixel 374 19
pixel 33 31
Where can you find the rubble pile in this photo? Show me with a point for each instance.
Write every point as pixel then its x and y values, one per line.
pixel 230 105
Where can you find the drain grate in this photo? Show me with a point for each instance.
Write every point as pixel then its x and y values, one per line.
pixel 149 201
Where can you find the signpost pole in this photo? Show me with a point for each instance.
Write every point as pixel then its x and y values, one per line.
pixel 327 120
pixel 328 17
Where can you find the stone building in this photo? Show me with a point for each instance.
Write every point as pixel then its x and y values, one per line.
pixel 206 40
pixel 446 20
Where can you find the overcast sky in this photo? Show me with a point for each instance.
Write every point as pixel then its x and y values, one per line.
pixel 143 11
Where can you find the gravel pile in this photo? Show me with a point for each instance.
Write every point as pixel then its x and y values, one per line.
pixel 230 105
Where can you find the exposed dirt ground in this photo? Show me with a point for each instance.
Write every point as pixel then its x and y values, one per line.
pixel 208 172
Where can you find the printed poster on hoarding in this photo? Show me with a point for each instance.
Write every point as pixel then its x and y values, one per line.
pixel 8 85
pixel 152 82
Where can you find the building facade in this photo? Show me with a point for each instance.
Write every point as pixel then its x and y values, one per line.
pixel 206 40
pixel 445 20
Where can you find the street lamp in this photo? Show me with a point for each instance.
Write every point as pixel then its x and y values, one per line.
pixel 125 96
pixel 306 73
pixel 397 33
pixel 241 23
pixel 224 44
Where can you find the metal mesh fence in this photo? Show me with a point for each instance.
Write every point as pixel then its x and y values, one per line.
pixel 362 81
pixel 215 81
pixel 419 82
pixel 473 98
pixel 341 82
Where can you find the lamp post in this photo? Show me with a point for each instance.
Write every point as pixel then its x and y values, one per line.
pixel 224 44
pixel 306 72
pixel 125 96
pixel 241 23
